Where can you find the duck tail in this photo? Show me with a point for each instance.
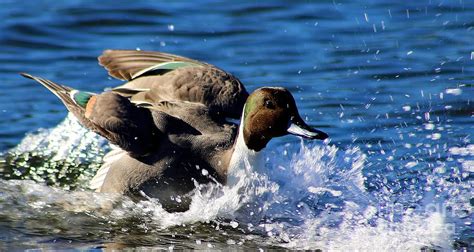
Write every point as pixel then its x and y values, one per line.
pixel 73 99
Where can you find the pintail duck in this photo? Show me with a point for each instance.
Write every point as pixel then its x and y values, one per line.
pixel 169 123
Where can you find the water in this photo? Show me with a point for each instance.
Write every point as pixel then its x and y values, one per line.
pixel 389 81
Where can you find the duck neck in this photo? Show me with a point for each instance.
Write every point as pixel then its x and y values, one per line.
pixel 243 159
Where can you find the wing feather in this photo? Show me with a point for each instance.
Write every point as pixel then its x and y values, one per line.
pixel 125 64
pixel 154 77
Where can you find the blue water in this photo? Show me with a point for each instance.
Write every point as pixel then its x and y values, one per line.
pixel 390 81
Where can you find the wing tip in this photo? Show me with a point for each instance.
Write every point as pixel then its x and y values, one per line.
pixel 26 75
pixel 104 58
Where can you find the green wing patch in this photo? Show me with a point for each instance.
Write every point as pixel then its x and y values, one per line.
pixel 81 98
pixel 164 67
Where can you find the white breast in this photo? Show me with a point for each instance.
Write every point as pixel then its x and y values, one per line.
pixel 243 160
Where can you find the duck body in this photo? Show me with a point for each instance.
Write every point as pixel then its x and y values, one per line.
pixel 174 166
pixel 169 123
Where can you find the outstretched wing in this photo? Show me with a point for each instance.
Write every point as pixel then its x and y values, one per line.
pixel 154 77
pixel 128 64
pixel 111 116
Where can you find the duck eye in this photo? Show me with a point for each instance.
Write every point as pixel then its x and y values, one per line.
pixel 269 104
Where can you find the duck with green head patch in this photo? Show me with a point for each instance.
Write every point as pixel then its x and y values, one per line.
pixel 169 124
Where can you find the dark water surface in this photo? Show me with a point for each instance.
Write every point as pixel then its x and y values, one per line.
pixel 390 81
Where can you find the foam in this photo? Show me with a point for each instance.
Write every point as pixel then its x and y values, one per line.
pixel 306 196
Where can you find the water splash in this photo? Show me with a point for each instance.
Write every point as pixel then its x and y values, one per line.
pixel 68 140
pixel 306 196
pixel 65 156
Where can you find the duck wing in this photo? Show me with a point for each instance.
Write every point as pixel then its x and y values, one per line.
pixel 112 116
pixel 129 64
pixel 154 77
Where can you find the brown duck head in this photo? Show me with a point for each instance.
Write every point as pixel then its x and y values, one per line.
pixel 271 112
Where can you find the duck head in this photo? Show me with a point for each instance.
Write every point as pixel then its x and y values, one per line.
pixel 271 112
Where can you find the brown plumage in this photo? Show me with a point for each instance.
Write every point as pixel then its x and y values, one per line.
pixel 173 118
pixel 124 64
pixel 169 122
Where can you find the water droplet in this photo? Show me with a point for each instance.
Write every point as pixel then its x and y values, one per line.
pixel 429 126
pixel 234 224
pixel 435 136
pixel 453 91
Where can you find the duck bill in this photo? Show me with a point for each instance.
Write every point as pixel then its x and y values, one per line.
pixel 299 128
